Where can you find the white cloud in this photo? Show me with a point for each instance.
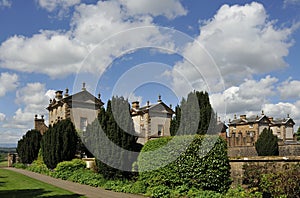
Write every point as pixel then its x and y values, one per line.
pixel 282 109
pixel 5 3
pixel 51 53
pixel 51 5
pixel 287 3
pixel 251 95
pixel 60 53
pixel 2 117
pixel 60 7
pixel 289 89
pixel 168 8
pixel 8 82
pixel 242 41
pixel 32 99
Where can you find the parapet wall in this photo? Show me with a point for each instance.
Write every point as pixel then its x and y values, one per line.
pixel 237 164
pixel 249 151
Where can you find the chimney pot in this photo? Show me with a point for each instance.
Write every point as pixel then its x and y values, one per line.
pixel 83 86
pixel 58 94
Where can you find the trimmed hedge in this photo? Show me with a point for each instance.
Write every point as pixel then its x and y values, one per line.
pixel 199 162
pixel 65 169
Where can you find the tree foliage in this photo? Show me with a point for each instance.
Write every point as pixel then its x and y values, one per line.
pixel 59 143
pixel 114 123
pixel 28 147
pixel 196 161
pixel 195 115
pixel 298 134
pixel 267 144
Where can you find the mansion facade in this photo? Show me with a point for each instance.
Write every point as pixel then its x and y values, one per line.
pixel 151 121
pixel 82 108
pixel 244 131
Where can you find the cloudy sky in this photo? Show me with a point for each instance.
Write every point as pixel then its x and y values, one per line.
pixel 244 53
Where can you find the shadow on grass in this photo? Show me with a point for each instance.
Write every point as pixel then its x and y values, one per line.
pixel 32 193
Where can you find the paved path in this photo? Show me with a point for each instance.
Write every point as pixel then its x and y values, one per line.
pixel 80 189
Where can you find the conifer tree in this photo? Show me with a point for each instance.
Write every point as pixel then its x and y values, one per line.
pixel 28 147
pixel 194 115
pixel 267 144
pixel 59 143
pixel 117 126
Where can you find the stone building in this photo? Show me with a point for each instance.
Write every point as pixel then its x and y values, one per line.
pixel 82 108
pixel 151 121
pixel 244 131
pixel 39 124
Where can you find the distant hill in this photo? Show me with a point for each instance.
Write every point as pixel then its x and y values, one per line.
pixel 8 145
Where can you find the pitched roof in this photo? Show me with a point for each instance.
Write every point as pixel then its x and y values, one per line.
pixel 146 108
pixel 80 97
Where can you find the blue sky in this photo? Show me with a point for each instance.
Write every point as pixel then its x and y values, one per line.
pixel 244 53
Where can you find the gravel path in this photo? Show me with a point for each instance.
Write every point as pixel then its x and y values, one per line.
pixel 85 190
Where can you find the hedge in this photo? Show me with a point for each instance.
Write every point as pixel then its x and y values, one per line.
pixel 199 162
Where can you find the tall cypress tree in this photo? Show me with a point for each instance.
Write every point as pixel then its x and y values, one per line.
pixel 59 143
pixel 194 115
pixel 118 127
pixel 267 144
pixel 28 147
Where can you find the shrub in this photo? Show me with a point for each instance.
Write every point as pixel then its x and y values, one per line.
pixel 65 169
pixel 159 191
pixel 39 166
pixel 273 180
pixel 285 183
pixel 87 177
pixel 19 165
pixel 192 161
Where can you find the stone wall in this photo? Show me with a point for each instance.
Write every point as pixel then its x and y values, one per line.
pixel 237 171
pixel 242 151
pixel 250 151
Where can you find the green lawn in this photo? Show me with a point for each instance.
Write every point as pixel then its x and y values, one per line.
pixel 14 184
pixel 3 163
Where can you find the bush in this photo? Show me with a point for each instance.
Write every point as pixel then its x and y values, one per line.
pixel 19 165
pixel 65 169
pixel 273 180
pixel 285 183
pixel 39 166
pixel 192 161
pixel 159 191
pixel 87 177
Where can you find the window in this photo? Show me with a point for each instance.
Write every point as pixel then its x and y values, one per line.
pixel 83 124
pixel 159 129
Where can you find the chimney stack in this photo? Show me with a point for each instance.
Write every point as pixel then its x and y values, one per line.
pixel 159 98
pixel 83 87
pixel 242 117
pixel 58 95
pixel 135 105
pixel 67 92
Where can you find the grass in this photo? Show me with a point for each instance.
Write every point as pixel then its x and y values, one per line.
pixel 3 163
pixel 14 184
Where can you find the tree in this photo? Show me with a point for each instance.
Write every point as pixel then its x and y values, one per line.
pixel 298 134
pixel 28 147
pixel 267 144
pixel 115 124
pixel 195 115
pixel 59 143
